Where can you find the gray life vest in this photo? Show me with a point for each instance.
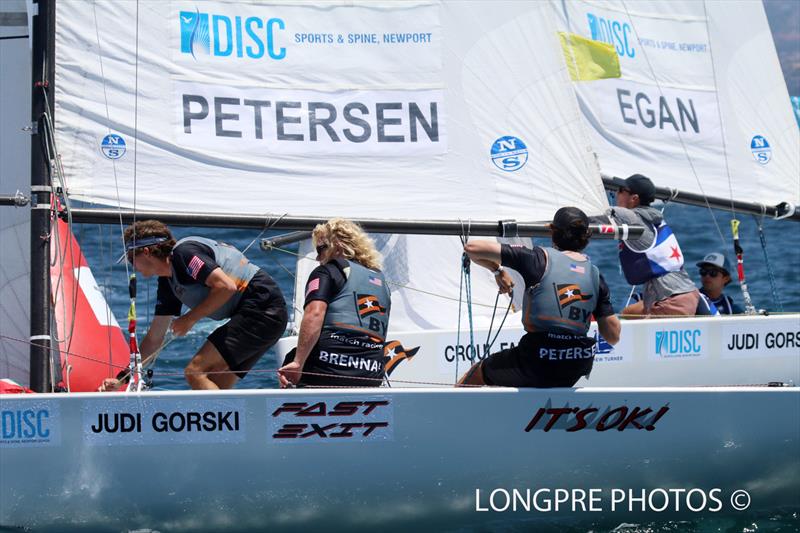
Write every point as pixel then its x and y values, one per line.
pixel 232 262
pixel 362 305
pixel 564 299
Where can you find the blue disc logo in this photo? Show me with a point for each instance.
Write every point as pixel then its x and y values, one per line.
pixel 762 152
pixel 113 146
pixel 509 153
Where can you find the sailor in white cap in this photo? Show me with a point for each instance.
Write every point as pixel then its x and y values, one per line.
pixel 715 276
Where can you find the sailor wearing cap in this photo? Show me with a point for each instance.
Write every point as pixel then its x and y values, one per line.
pixel 715 276
pixel 213 280
pixel 654 259
pixel 563 290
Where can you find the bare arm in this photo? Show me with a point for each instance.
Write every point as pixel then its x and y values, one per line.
pixel 609 327
pixel 155 336
pixel 310 328
pixel 149 347
pixel 487 255
pixel 222 288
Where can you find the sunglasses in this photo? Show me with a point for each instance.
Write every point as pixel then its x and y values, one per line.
pixel 712 272
pixel 321 248
pixel 624 189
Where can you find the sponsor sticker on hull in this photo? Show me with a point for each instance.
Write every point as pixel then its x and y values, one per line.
pixel 25 424
pixel 678 343
pixel 321 420
pixel 163 421
pixel 760 340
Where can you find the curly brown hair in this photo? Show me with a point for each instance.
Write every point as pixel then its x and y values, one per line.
pixel 151 228
pixel 348 237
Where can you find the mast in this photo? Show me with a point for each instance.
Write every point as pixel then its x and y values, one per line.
pixel 43 70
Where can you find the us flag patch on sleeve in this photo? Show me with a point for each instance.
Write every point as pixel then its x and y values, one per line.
pixel 312 286
pixel 194 266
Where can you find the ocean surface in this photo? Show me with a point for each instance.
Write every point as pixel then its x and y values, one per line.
pixel 698 231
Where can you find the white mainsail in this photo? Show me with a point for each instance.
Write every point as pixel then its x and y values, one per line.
pixel 15 160
pixel 387 110
pixel 479 122
pixel 701 105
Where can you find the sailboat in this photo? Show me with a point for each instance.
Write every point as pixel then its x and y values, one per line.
pixel 416 117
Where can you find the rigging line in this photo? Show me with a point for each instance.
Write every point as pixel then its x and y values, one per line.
pixel 267 225
pixel 488 350
pixel 106 260
pixel 770 273
pixel 55 349
pixel 719 109
pixel 465 270
pixel 56 170
pixel 393 283
pixel 680 136
pixel 108 131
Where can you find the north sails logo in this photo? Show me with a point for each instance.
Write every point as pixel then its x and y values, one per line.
pixel 223 36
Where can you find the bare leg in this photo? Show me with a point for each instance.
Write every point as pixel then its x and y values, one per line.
pixel 208 359
pixel 473 376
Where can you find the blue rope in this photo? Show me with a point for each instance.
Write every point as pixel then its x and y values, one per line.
pixel 458 327
pixel 770 272
pixel 468 277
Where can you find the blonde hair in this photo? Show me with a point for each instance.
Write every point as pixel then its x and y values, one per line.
pixel 350 240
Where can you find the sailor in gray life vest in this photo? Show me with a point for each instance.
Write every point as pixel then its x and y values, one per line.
pixel 346 313
pixel 563 289
pixel 213 280
pixel 654 259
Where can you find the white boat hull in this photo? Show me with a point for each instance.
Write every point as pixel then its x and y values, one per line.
pixel 388 458
pixel 688 352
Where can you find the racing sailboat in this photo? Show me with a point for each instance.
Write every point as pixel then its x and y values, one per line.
pixel 416 117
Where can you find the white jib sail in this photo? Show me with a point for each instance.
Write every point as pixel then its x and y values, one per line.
pixel 701 105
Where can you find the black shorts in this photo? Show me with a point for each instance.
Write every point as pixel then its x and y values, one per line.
pixel 359 362
pixel 541 360
pixel 258 322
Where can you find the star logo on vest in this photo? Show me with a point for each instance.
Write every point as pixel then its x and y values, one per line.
pixel 676 253
pixel 570 293
pixel 369 305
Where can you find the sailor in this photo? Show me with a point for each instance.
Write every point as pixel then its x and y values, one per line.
pixel 346 313
pixel 213 280
pixel 563 289
pixel 654 259
pixel 715 276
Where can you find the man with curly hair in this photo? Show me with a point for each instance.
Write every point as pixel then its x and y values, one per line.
pixel 346 313
pixel 213 280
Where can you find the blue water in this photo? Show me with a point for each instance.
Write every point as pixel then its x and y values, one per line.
pixel 694 227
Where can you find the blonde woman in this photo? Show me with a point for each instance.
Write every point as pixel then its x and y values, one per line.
pixel 346 313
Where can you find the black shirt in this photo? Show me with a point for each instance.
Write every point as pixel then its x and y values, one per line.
pixel 531 265
pixel 326 281
pixel 193 262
